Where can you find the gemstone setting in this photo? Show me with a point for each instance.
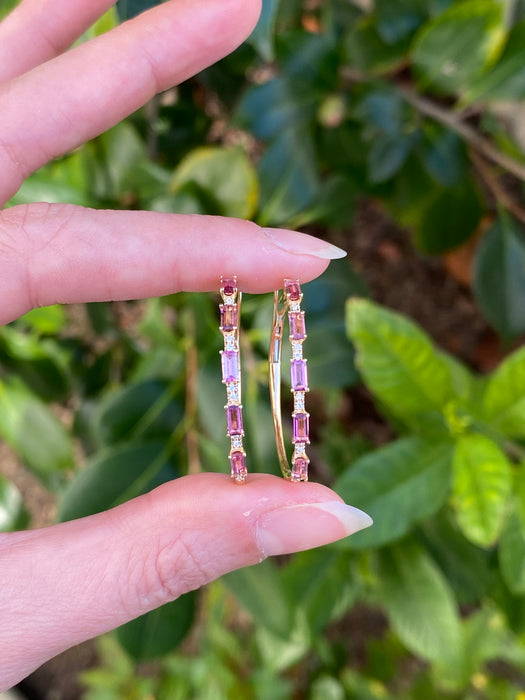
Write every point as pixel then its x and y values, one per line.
pixel 231 375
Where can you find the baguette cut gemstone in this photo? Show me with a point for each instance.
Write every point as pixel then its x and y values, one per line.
pixel 292 289
pixel 299 375
pixel 300 469
pixel 234 419
pixel 238 465
pixel 297 325
pixel 230 366
pixel 229 285
pixel 301 427
pixel 228 317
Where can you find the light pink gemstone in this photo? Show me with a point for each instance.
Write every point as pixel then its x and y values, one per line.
pixel 234 419
pixel 230 366
pixel 299 375
pixel 300 469
pixel 301 428
pixel 228 285
pixel 297 325
pixel 292 289
pixel 238 465
pixel 228 317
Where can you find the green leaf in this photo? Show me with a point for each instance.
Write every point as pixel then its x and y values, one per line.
pixel 468 568
pixel 269 109
pixel 262 37
pixel 387 155
pixel 147 409
pixel 499 276
pixel 419 603
pixel 237 194
pixel 40 187
pixel 34 433
pixel 259 591
pixel 366 50
pixel 396 20
pixel 455 48
pixel 451 217
pixel 512 554
pixel 504 400
pixel 481 488
pixel 506 80
pixel 397 485
pixel 288 177
pixel 158 632
pixel 115 475
pixel 319 585
pixel 383 110
pixel 443 154
pixel 47 320
pixel 400 365
pixel 41 363
pixel 130 8
pixel 13 514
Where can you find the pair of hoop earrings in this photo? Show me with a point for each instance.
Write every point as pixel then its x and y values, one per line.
pixel 286 302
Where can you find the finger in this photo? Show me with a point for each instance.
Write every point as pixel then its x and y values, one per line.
pixel 83 92
pixel 34 33
pixel 73 581
pixel 62 254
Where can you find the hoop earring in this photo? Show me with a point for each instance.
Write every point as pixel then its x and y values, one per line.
pixel 230 311
pixel 288 301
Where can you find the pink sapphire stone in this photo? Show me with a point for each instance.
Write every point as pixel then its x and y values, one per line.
pixel 292 289
pixel 238 465
pixel 228 285
pixel 300 469
pixel 297 325
pixel 299 375
pixel 301 428
pixel 234 419
pixel 228 317
pixel 230 366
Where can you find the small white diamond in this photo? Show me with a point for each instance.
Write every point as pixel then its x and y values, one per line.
pixel 236 442
pixel 299 400
pixel 297 350
pixel 229 341
pixel 233 392
pixel 294 307
pixel 230 301
pixel 300 450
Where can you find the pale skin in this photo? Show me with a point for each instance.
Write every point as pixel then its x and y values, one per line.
pixel 70 582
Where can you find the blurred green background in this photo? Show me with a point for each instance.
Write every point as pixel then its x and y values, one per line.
pixel 395 130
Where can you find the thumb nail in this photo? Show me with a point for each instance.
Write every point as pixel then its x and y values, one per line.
pixel 303 244
pixel 307 525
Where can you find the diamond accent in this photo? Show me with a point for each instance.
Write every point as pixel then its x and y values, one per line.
pixel 231 374
pixel 297 350
pixel 230 342
pixel 299 402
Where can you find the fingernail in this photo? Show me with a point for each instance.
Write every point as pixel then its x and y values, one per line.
pixel 307 525
pixel 303 244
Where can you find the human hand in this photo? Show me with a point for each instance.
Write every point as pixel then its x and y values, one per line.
pixel 67 583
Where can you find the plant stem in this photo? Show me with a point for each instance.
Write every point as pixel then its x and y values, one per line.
pixel 467 133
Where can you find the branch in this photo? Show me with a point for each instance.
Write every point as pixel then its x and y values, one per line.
pixel 467 133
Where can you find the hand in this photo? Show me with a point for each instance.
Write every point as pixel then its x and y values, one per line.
pixel 67 583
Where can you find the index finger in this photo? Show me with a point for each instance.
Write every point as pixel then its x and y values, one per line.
pixel 62 254
pixel 78 95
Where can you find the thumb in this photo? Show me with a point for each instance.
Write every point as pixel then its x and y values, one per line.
pixel 70 582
